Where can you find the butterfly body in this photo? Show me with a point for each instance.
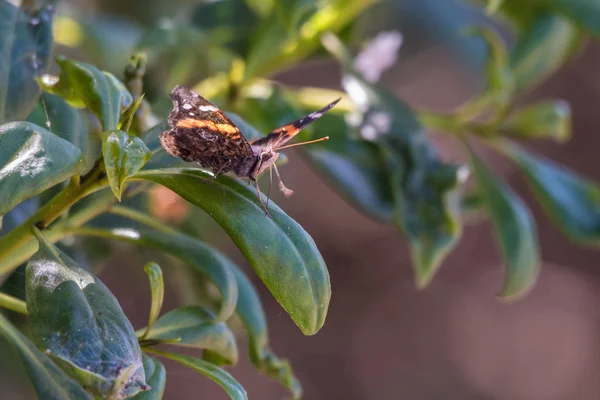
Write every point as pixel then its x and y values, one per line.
pixel 203 134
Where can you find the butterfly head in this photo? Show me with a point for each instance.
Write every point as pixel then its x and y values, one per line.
pixel 266 157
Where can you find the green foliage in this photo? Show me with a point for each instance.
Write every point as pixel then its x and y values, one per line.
pixel 101 135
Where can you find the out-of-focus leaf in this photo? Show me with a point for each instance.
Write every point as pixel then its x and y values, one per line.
pixel 251 313
pixel 80 127
pixel 84 85
pixel 585 13
pixel 544 44
pixel 550 119
pixel 25 45
pixel 282 253
pixel 156 376
pixel 31 161
pixel 219 376
pixel 157 292
pixel 425 190
pixel 75 319
pixel 285 47
pixel 261 7
pixel 49 381
pixel 571 201
pixel 192 252
pixel 143 118
pixel 227 22
pixel 194 326
pixel 515 231
pixel 124 155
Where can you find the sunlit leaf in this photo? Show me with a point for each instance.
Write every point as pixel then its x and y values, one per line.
pixel 515 231
pixel 49 381
pixel 549 119
pixel 157 292
pixel 124 155
pixel 75 319
pixel 84 85
pixel 32 160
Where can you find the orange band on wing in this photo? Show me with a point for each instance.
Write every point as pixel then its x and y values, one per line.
pixel 225 129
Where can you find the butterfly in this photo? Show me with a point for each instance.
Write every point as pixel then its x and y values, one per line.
pixel 202 133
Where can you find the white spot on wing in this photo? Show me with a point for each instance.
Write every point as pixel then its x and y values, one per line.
pixel 187 106
pixel 208 108
pixel 192 114
pixel 315 115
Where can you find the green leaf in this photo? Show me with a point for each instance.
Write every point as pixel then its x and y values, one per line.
pixel 544 44
pixel 515 231
pixel 79 127
pixel 571 201
pixel 124 155
pixel 32 160
pixel 219 376
pixel 84 85
pixel 585 13
pixel 75 319
pixel 282 253
pixel 251 313
pixel 48 380
pixel 25 45
pixel 261 7
pixel 425 190
pixel 192 252
pixel 157 291
pixel 156 376
pixel 549 119
pixel 194 326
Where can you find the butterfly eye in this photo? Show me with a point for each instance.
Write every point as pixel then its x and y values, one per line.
pixel 264 157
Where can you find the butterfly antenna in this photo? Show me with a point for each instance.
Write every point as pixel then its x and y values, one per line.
pixel 286 192
pixel 303 143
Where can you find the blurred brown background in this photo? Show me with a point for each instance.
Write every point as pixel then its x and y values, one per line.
pixel 383 339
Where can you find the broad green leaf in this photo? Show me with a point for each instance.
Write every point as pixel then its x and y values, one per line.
pixel 571 201
pixel 156 376
pixel 544 44
pixel 515 231
pixel 32 160
pixel 282 253
pixel 219 376
pixel 549 119
pixel 425 190
pixel 25 45
pixel 192 252
pixel 261 7
pixel 75 319
pixel 194 326
pixel 124 155
pixel 250 310
pixel 585 13
pixel 84 85
pixel 157 292
pixel 49 381
pixel 80 127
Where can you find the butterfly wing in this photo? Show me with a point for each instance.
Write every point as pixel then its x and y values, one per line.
pixel 201 132
pixel 277 137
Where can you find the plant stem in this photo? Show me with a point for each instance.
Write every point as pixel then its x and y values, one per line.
pixel 18 238
pixel 12 303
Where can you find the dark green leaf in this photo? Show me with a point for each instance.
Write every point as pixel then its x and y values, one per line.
pixel 124 155
pixel 80 127
pixel 571 201
pixel 157 291
pixel 83 85
pixel 515 231
pixel 195 326
pixel 31 161
pixel 195 254
pixel 222 378
pixel 156 376
pixel 49 381
pixel 585 13
pixel 426 199
pixel 550 119
pixel 544 44
pixel 77 320
pixel 282 253
pixel 25 45
pixel 250 311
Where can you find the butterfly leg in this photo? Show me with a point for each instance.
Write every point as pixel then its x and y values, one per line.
pixel 260 197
